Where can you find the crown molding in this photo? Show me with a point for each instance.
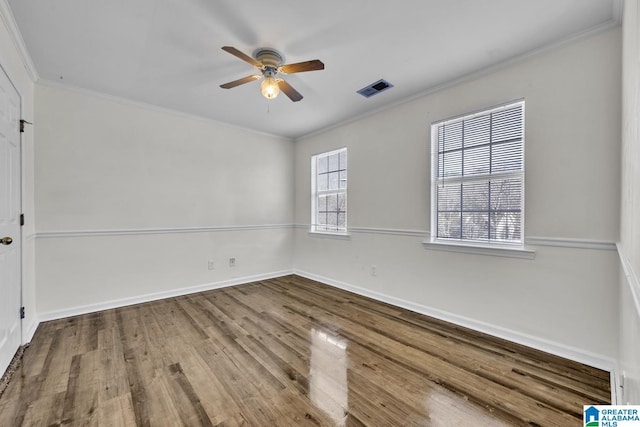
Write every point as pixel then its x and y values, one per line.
pixel 613 22
pixel 16 37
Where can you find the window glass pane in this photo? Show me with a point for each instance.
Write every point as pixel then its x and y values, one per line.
pixel 323 181
pixel 507 157
pixel 475 196
pixel 333 162
pixel 322 203
pixel 342 220
pixel 507 124
pixel 332 202
pixel 322 219
pixel 322 164
pixel 452 136
pixel 449 197
pixel 450 164
pixel 334 180
pixel 329 192
pixel 478 193
pixel 477 131
pixel 506 194
pixel 476 160
pixel 332 220
pixel 475 225
pixel 449 225
pixel 506 226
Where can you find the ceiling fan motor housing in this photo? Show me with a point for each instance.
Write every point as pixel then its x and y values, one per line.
pixel 269 57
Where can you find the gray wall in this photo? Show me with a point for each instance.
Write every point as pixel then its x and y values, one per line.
pixel 565 296
pixel 132 202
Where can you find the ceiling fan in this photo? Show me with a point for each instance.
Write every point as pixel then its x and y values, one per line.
pixel 269 62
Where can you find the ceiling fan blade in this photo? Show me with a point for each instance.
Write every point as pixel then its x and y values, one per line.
pixel 288 90
pixel 300 67
pixel 241 81
pixel 235 52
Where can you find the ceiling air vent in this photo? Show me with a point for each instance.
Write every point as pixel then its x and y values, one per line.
pixel 374 88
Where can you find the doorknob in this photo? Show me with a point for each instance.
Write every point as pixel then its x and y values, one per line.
pixel 6 240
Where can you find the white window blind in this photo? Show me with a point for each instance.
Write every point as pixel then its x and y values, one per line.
pixel 478 177
pixel 329 192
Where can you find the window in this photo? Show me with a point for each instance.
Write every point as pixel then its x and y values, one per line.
pixel 477 178
pixel 329 192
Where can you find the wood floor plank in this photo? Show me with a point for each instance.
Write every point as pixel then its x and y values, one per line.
pixel 382 373
pixel 477 388
pixel 287 351
pixel 509 373
pixel 575 377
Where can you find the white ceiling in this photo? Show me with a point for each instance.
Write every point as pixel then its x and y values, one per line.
pixel 167 52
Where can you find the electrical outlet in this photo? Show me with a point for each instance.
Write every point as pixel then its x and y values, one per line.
pixel 211 265
pixel 232 262
pixel 374 270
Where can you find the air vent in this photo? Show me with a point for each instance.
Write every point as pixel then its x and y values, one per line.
pixel 374 88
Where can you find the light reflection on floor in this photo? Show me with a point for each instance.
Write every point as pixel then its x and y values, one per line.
pixel 328 372
pixel 446 408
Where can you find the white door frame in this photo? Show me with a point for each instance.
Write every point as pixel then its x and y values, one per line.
pixel 21 189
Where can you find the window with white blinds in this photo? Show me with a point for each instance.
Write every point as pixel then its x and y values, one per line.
pixel 329 192
pixel 478 177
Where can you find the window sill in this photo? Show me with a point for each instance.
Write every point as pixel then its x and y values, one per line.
pixel 501 251
pixel 329 235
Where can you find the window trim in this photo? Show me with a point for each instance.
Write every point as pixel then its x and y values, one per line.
pixel 510 251
pixel 315 194
pixel 485 247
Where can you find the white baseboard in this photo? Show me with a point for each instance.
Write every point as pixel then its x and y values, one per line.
pixel 91 308
pixel 27 336
pixel 572 353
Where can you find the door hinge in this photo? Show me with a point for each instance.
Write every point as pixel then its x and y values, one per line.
pixel 22 312
pixel 22 122
pixel 21 220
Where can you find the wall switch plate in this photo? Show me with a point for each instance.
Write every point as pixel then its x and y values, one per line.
pixel 211 265
pixel 232 262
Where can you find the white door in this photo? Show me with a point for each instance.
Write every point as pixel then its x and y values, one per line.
pixel 10 207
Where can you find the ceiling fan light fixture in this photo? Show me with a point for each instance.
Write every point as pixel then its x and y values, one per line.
pixel 269 62
pixel 269 86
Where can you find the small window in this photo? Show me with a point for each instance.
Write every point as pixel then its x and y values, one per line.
pixel 477 178
pixel 329 192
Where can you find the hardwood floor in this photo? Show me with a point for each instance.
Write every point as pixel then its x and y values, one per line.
pixel 289 352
